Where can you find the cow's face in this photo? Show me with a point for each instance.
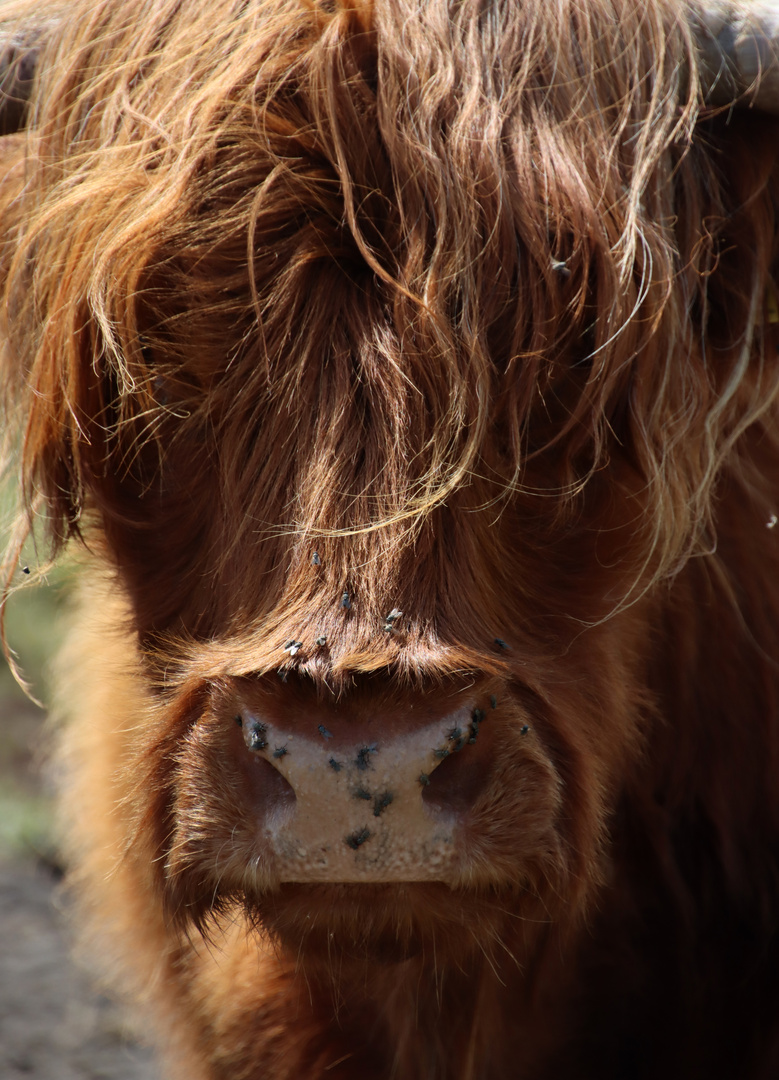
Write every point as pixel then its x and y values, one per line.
pixel 387 408
pixel 409 743
pixel 430 810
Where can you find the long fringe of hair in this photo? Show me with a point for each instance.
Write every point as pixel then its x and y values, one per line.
pixel 342 244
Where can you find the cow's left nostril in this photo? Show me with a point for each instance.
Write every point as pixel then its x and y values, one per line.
pixel 464 766
pixel 457 782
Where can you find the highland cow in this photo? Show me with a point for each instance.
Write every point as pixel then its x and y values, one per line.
pixel 407 372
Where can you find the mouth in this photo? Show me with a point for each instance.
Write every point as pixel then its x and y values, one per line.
pixel 386 924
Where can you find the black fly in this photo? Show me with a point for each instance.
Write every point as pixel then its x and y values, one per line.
pixel 456 736
pixel 477 717
pixel 363 760
pixel 391 619
pixel 357 838
pixel 255 736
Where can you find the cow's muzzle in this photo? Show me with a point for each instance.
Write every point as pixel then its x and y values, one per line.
pixel 339 797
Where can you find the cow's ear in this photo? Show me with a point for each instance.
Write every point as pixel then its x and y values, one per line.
pixel 738 202
pixel 737 47
pixel 732 203
pixel 30 442
pixel 51 394
pixel 86 402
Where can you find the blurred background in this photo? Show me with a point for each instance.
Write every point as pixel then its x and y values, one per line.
pixel 54 1024
pixel 34 628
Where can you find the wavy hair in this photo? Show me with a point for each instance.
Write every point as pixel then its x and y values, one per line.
pixel 377 253
pixel 341 264
pixel 423 336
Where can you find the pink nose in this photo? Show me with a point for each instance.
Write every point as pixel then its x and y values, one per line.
pixel 337 799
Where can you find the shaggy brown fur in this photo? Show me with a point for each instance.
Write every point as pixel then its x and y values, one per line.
pixel 474 300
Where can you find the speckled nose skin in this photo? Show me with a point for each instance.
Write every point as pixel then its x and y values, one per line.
pixel 346 802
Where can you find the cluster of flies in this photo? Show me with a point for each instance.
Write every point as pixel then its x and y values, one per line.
pixel 292 647
pixel 457 738
pixel 380 802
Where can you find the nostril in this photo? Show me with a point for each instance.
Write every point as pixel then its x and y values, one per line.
pixel 269 792
pixel 457 782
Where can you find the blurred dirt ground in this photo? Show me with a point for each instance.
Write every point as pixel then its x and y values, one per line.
pixel 53 1024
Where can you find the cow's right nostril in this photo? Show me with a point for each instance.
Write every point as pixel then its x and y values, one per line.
pixel 272 796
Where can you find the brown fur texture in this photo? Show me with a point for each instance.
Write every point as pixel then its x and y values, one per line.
pixel 473 300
